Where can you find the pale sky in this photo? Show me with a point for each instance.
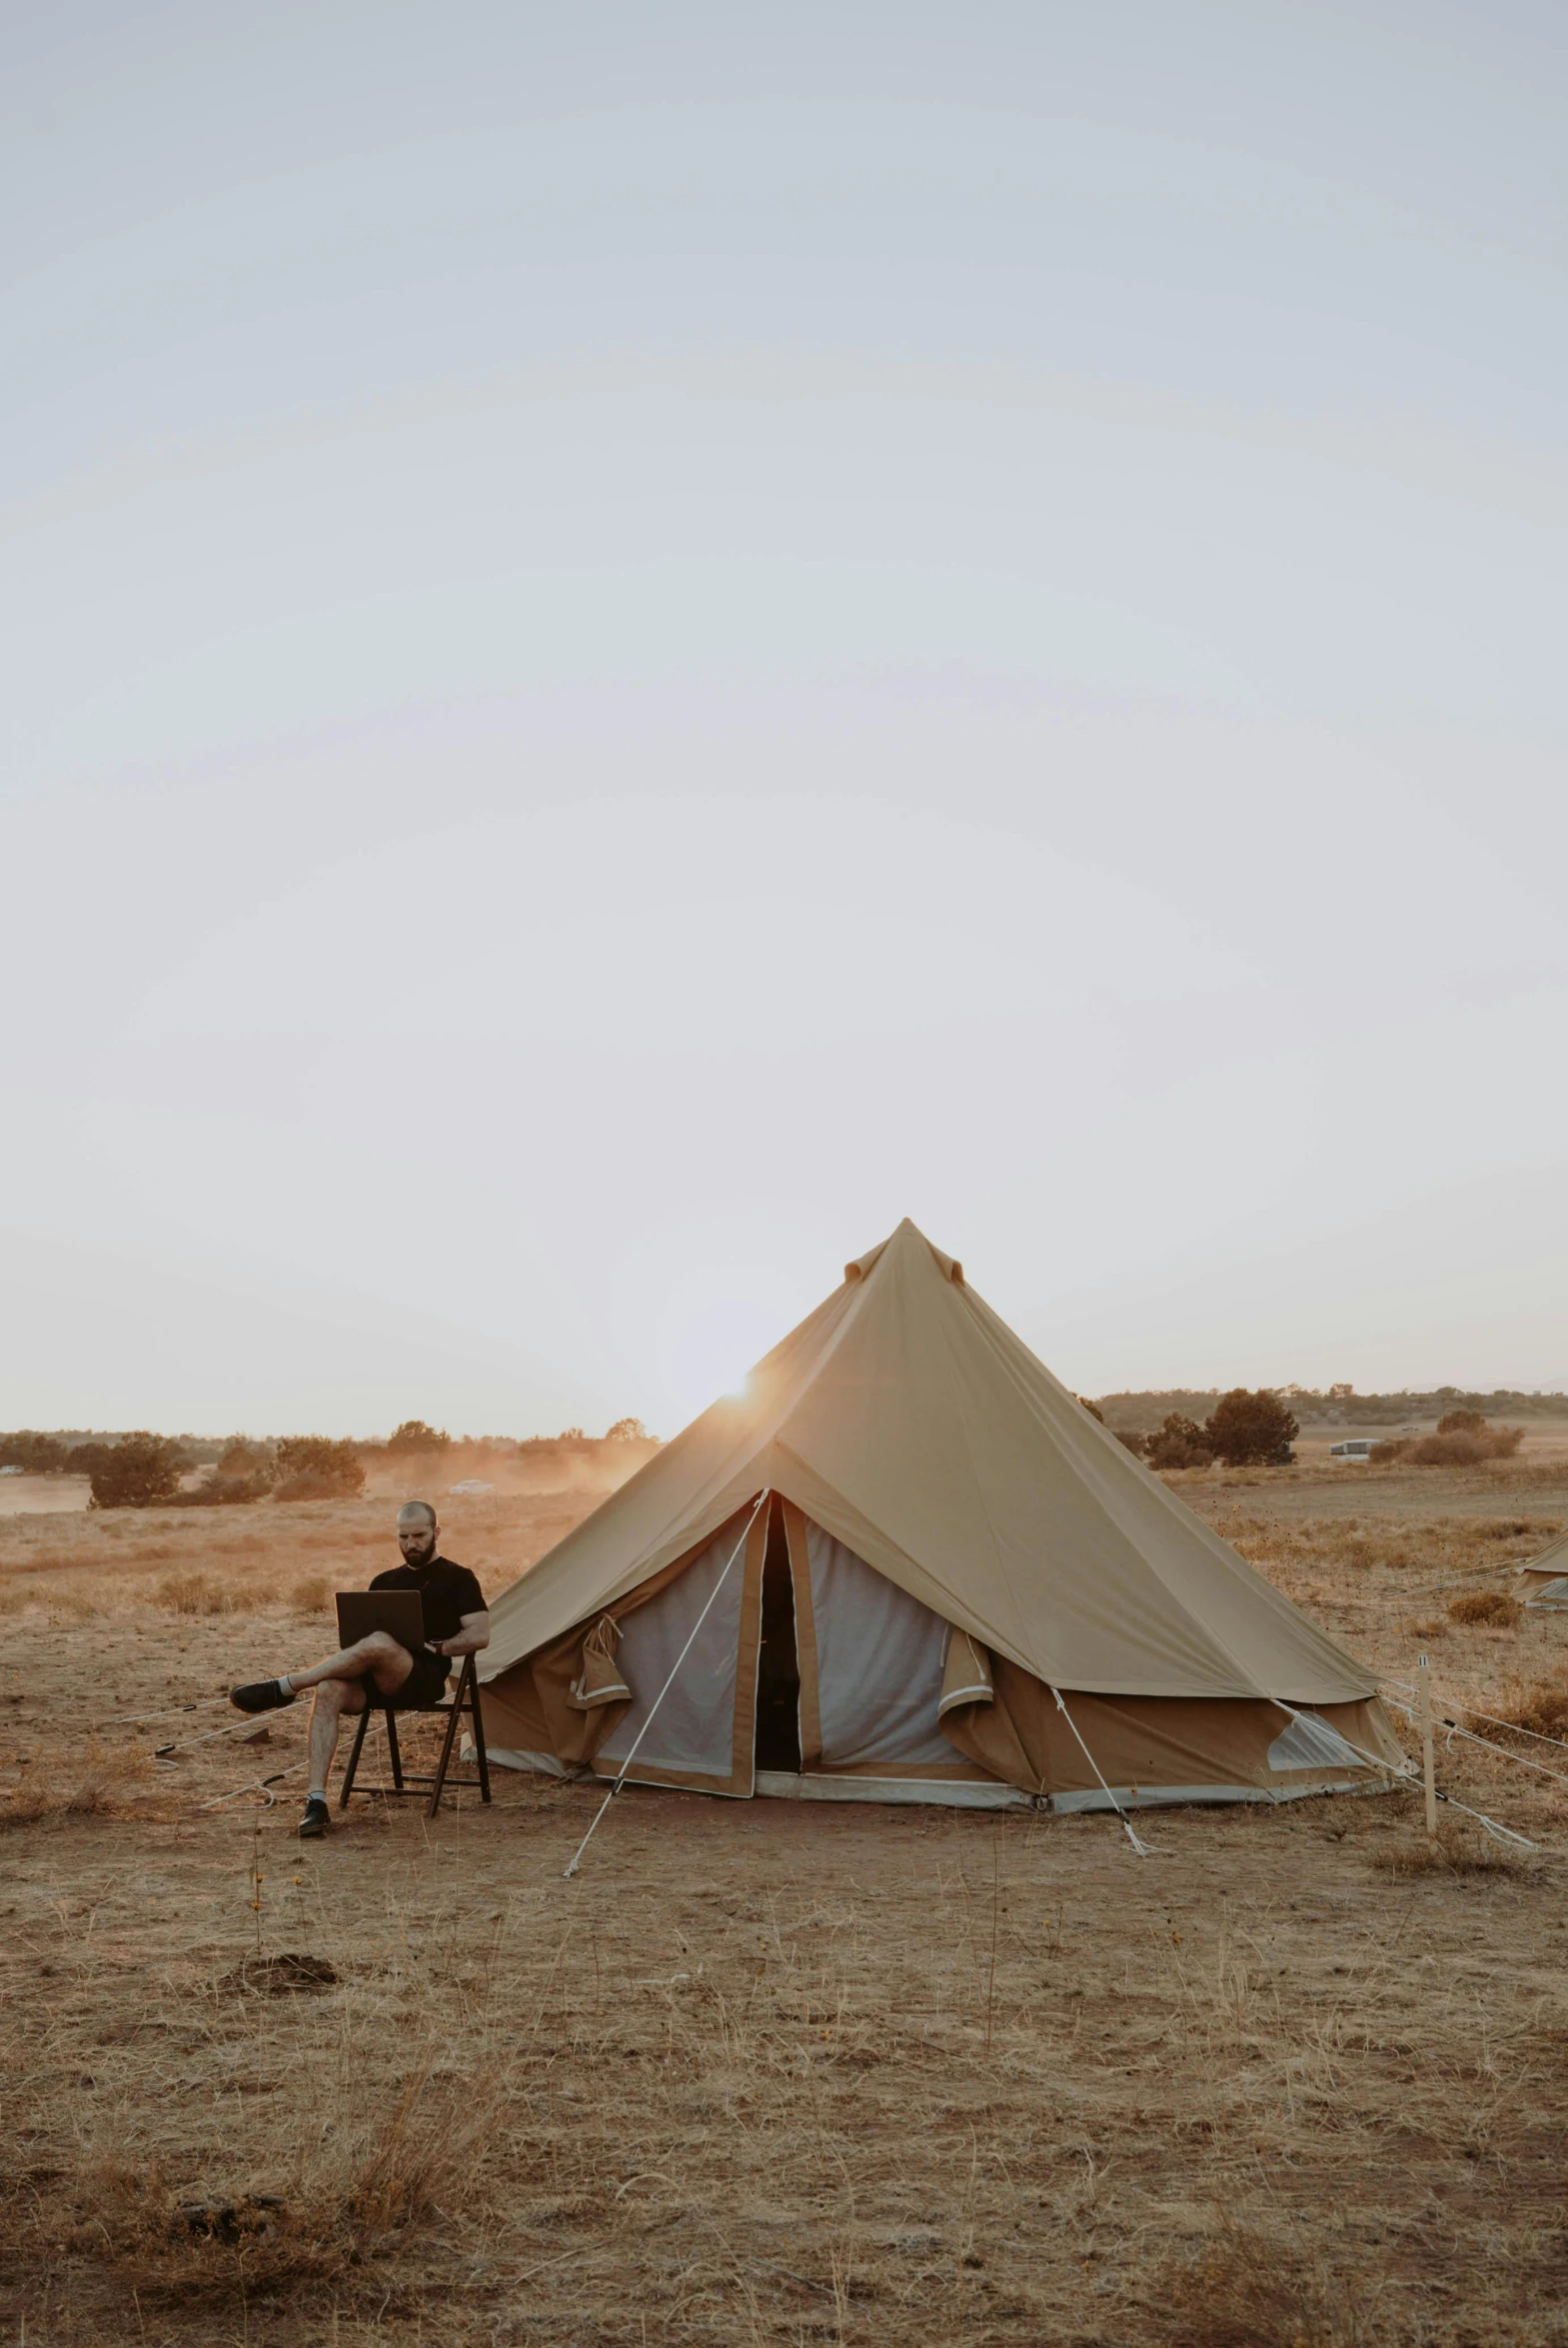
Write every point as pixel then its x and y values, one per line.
pixel 639 640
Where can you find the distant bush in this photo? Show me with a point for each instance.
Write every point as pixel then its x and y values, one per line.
pixel 39 1454
pixel 1542 1709
pixel 310 1595
pixel 139 1471
pixel 1244 1428
pixel 413 1436
pixel 1485 1605
pixel 315 1467
pixel 1467 1445
pixel 243 1471
pixel 1178 1443
pixel 1092 1409
pixel 223 1492
pixel 1136 1443
pixel 191 1593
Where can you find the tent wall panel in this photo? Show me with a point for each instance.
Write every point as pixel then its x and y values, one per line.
pixel 703 1731
pixel 878 1665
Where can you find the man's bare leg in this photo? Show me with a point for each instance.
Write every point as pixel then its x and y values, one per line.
pixel 375 1657
pixel 379 1659
pixel 340 1687
pixel 334 1697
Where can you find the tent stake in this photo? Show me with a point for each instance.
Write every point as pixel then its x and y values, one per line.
pixel 1423 1681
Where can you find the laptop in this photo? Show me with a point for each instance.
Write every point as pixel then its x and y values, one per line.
pixel 401 1612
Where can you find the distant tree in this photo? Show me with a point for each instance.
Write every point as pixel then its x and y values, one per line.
pixel 1092 1409
pixel 40 1455
pixel 572 1435
pixel 315 1467
pixel 1245 1428
pixel 1136 1443
pixel 1342 1392
pixel 1461 1423
pixel 242 1461
pixel 626 1430
pixel 1178 1443
pixel 243 1471
pixel 415 1437
pixel 138 1471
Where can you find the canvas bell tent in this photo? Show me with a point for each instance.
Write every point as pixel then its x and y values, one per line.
pixel 905 1563
pixel 1544 1582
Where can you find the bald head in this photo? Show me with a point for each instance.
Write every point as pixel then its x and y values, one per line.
pixel 417 1531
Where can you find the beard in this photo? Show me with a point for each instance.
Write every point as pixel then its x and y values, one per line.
pixel 422 1555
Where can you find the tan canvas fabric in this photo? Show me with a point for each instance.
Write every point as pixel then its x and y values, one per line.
pixel 1152 1742
pixel 966 1674
pixel 600 1681
pixel 1551 1560
pixel 905 1419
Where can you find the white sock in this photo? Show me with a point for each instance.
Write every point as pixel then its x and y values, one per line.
pixel 318 1793
pixel 285 1683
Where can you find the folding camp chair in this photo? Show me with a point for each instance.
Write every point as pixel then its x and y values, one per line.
pixel 411 1782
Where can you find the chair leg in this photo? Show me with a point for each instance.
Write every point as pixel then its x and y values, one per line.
pixel 354 1760
pixel 479 1754
pixel 392 1748
pixel 449 1740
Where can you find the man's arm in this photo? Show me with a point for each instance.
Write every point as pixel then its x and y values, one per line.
pixel 474 1635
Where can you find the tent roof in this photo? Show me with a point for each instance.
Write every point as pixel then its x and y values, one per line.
pixel 1554 1557
pixel 911 1423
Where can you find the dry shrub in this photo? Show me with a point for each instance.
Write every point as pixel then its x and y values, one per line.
pixel 96 1784
pixel 1542 1709
pixel 191 1593
pixel 1485 1605
pixel 1247 2292
pixel 353 2205
pixel 310 1595
pixel 1466 1447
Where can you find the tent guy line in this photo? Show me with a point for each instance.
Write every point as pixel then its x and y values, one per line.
pixel 1145 1851
pixel 1475 1712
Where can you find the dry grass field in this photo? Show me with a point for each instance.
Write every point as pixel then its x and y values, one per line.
pixel 765 2073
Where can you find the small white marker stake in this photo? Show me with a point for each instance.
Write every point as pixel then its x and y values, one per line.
pixel 1423 1681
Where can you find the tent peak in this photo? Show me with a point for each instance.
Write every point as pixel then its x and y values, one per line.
pixel 907 1235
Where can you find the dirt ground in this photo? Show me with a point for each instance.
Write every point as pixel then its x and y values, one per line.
pixel 764 2072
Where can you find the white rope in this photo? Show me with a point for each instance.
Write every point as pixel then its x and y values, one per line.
pixel 116 1719
pixel 1498 1834
pixel 253 1786
pixel 1523 1759
pixel 183 1744
pixel 669 1683
pixel 1490 1718
pixel 1145 1851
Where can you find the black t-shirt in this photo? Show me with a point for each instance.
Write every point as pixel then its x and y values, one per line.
pixel 448 1591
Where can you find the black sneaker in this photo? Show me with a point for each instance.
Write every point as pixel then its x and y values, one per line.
pixel 316 1820
pixel 260 1695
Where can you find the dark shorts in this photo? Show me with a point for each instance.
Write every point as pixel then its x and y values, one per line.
pixel 424 1685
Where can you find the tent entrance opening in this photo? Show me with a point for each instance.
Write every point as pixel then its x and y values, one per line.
pixel 777 1663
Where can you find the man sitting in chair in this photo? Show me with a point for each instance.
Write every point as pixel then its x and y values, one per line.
pixel 456 1623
